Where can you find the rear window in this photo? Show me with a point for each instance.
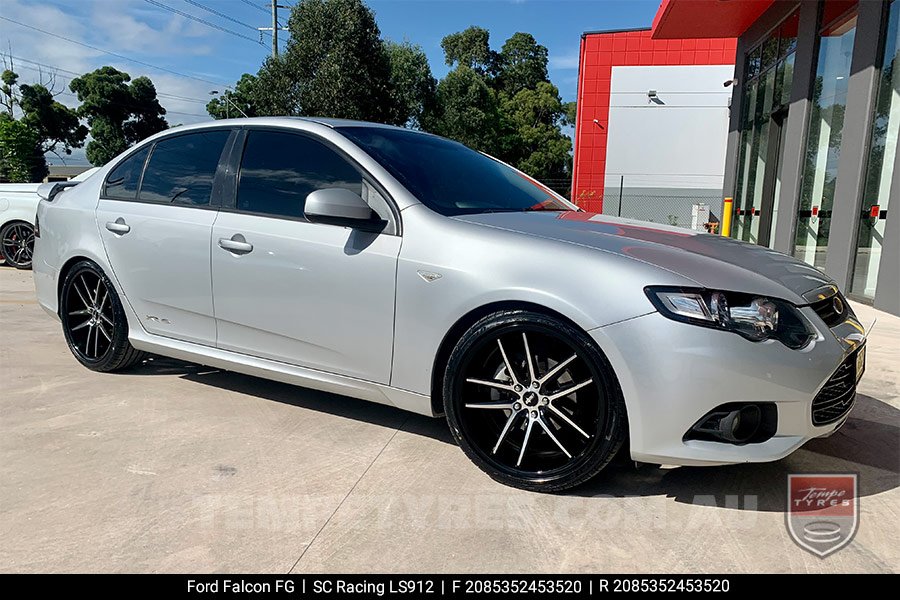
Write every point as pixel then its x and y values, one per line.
pixel 122 182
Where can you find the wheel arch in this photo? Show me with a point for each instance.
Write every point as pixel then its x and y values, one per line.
pixel 456 331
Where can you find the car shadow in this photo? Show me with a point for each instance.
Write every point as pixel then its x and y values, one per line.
pixel 868 444
pixel 285 393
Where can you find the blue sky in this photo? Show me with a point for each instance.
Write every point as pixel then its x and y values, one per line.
pixel 194 58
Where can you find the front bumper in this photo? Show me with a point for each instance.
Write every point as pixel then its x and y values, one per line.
pixel 672 373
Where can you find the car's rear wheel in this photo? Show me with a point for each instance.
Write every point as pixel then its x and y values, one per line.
pixel 94 321
pixel 533 402
pixel 17 244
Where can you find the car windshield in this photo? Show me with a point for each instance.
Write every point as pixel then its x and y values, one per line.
pixel 450 178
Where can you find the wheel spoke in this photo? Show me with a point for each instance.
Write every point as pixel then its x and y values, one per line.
pixel 494 384
pixel 103 331
pixel 556 370
pixel 509 422
pixel 103 301
pixel 83 311
pixel 565 418
pixel 97 293
pixel 525 441
pixel 506 405
pixel 510 372
pixel 80 295
pixel 553 437
pixel 82 326
pixel 105 318
pixel 569 390
pixel 96 341
pixel 528 358
pixel 87 342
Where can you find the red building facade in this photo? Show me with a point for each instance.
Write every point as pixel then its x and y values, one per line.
pixel 600 53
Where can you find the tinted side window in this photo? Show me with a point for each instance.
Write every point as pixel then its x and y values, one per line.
pixel 181 169
pixel 122 182
pixel 279 169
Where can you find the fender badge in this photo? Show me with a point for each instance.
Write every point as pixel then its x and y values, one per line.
pixel 429 276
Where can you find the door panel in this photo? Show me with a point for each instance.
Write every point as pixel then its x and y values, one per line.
pixel 162 265
pixel 319 296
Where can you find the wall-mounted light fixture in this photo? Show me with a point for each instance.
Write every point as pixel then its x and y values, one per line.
pixel 597 123
pixel 730 82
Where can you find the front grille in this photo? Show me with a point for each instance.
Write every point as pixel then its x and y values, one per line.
pixel 827 309
pixel 837 395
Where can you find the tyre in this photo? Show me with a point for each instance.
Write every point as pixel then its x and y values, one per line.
pixel 533 401
pixel 94 321
pixel 17 244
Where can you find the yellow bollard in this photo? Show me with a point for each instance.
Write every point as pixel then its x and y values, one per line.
pixel 726 216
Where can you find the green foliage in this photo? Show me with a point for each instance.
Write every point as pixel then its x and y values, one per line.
pixel 466 110
pixel 44 125
pixel 239 102
pixel 57 125
pixel 522 64
pixel 118 113
pixel 18 160
pixel 470 48
pixel 412 85
pixel 503 103
pixel 335 64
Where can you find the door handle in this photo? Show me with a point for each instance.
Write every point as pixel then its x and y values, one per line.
pixel 236 245
pixel 119 226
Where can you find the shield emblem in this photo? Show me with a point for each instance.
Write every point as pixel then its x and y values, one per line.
pixel 823 511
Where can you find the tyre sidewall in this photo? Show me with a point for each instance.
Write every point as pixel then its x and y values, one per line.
pixel 607 440
pixel 120 344
pixel 9 259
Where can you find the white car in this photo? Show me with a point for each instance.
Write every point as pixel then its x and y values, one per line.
pixel 18 205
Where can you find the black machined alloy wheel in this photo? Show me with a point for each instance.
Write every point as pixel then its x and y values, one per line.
pixel 533 402
pixel 17 244
pixel 94 321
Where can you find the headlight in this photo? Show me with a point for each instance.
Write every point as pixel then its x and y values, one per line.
pixel 754 317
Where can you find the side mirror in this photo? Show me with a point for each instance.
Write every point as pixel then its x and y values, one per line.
pixel 48 191
pixel 340 206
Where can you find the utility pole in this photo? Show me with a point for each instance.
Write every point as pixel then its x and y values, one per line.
pixel 275 27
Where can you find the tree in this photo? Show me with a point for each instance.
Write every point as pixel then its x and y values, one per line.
pixel 335 65
pixel 521 64
pixel 533 140
pixel 411 83
pixel 118 113
pixel 57 126
pixel 48 125
pixel 470 48
pixel 466 110
pixel 239 102
pixel 18 160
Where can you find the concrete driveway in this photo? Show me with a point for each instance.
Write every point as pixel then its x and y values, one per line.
pixel 176 467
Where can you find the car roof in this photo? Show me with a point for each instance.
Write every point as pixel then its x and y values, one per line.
pixel 328 122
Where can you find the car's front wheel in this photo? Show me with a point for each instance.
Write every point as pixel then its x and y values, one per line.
pixel 94 321
pixel 17 244
pixel 533 402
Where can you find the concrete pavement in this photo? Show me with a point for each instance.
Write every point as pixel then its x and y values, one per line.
pixel 176 467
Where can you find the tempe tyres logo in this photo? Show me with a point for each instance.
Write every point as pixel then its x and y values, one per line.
pixel 823 511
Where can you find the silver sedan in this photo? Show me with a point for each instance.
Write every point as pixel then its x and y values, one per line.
pixel 406 269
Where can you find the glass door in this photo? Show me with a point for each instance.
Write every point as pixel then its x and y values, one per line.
pixel 879 170
pixel 826 124
pixel 772 180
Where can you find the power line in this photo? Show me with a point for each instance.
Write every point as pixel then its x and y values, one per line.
pixel 202 21
pixel 174 112
pixel 72 74
pixel 255 5
pixel 119 56
pixel 220 14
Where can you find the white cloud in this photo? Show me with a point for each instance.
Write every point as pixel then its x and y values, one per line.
pixel 569 60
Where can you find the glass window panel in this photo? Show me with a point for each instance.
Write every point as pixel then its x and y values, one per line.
pixel 823 143
pixel 753 63
pixel 879 170
pixel 769 51
pixel 788 33
pixel 181 169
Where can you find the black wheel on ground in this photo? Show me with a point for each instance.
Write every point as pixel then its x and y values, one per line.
pixel 17 244
pixel 533 401
pixel 94 321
